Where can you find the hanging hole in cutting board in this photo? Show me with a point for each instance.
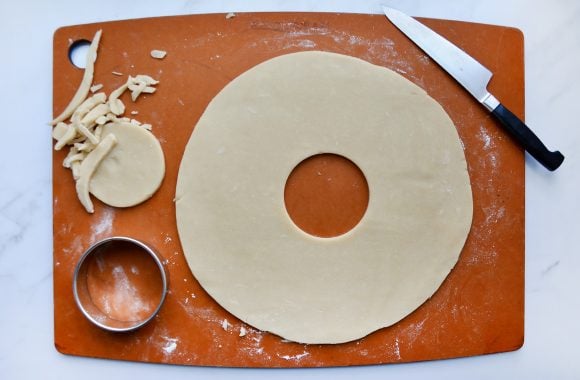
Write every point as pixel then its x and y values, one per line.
pixel 77 53
pixel 326 195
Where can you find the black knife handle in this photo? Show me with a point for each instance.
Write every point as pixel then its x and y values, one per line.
pixel 527 138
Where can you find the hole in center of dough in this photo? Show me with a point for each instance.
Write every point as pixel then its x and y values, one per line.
pixel 326 195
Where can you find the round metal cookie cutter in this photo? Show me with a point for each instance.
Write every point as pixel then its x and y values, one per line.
pixel 119 284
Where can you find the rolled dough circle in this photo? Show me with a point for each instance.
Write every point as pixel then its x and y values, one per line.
pixel 241 244
pixel 132 171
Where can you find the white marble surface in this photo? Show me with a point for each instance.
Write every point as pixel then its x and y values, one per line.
pixel 552 35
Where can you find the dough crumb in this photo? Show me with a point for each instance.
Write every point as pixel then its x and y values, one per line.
pixel 134 112
pixel 141 84
pixel 225 324
pixel 59 130
pixel 243 331
pixel 158 54
pixel 230 15
pixel 117 73
pixel 117 107
pixel 96 88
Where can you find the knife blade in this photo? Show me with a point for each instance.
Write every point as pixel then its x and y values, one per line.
pixel 474 77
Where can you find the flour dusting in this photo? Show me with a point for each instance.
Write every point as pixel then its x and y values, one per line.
pixel 397 349
pixel 412 333
pixel 354 40
pixel 100 263
pixel 254 346
pixel 170 345
pixel 490 159
pixel 124 300
pixel 485 138
pixel 306 44
pixel 493 214
pixel 104 224
pixel 294 357
pixel 296 29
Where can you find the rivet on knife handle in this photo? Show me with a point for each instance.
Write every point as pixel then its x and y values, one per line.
pixel 474 77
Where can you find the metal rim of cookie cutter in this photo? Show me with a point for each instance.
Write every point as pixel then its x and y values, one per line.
pixel 94 248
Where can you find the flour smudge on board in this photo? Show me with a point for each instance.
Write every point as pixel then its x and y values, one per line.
pixel 104 225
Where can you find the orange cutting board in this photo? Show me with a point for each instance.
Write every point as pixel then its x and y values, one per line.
pixel 479 309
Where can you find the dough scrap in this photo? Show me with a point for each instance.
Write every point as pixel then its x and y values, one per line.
pixel 117 106
pixel 59 130
pixel 66 137
pixel 96 88
pixel 133 171
pixel 84 88
pixel 158 54
pixel 141 84
pixel 242 246
pixel 88 167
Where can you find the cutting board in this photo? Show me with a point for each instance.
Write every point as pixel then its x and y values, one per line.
pixel 479 309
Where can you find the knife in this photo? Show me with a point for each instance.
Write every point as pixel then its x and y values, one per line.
pixel 474 77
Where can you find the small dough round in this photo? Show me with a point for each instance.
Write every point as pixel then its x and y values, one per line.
pixel 132 171
pixel 236 234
